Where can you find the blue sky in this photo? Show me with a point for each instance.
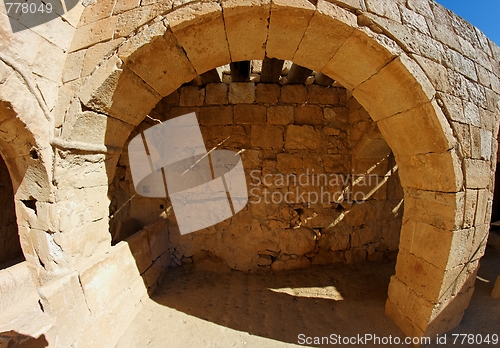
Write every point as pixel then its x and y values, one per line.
pixel 482 13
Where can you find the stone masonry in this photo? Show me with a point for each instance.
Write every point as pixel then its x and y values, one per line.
pixel 73 90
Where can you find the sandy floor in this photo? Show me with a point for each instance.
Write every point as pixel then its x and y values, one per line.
pixel 204 309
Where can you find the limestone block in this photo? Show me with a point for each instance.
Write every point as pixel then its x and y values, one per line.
pixel 129 21
pixel 104 281
pixel 267 137
pixel 297 241
pixel 241 93
pixel 458 280
pixel 437 73
pixel 246 25
pixel 264 260
pixel 267 93
pixel 153 273
pixel 280 115
pixel 216 115
pixel 199 29
pixel 495 293
pixel 96 11
pixel 395 79
pixel 289 163
pixel 278 266
pixel 234 136
pixel 125 5
pixel 408 301
pixel 158 239
pixel 470 208
pixel 106 131
pixel 249 114
pixel 96 53
pixel 355 256
pixel 370 58
pixel 425 281
pixel 321 95
pixel 73 67
pixel 484 199
pixel 114 320
pixel 426 242
pixel 461 64
pixel 453 107
pixel 288 23
pixel 216 94
pixel 441 29
pixel 433 171
pixel 409 328
pixel 192 96
pixel 49 63
pixel 365 235
pixel 330 25
pixel 308 114
pixel 294 94
pixel 252 159
pixel 139 247
pixel 477 174
pixel 421 7
pixel 165 72
pixel 328 258
pixel 142 38
pixel 93 33
pixel 442 210
pixel 302 138
pixel 464 29
pixel 297 263
pixel 384 8
pixel 63 299
pixel 101 91
pixel 414 20
pixel 78 171
pixel 25 107
pixel 423 129
pixel 16 287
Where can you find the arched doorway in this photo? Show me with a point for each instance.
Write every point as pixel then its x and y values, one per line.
pixel 388 82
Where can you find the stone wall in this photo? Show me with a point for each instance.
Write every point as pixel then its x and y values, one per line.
pixel 10 247
pixel 322 183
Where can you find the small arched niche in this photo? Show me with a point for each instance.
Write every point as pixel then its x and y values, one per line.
pixel 10 246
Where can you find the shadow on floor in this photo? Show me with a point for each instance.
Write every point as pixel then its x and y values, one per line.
pixel 318 301
pixel 204 309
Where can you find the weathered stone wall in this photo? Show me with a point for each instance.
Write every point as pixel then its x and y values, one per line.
pixel 322 183
pixel 10 247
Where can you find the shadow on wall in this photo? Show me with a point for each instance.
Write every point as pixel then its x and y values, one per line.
pixel 10 246
pixel 13 339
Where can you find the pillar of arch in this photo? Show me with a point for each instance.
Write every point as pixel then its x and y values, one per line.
pixel 25 147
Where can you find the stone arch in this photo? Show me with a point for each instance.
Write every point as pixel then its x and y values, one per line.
pixel 433 280
pixel 24 146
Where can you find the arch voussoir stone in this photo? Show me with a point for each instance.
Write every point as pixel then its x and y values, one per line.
pixel 162 64
pixel 386 93
pixel 246 24
pixel 199 28
pixel 371 57
pixel 328 29
pixel 287 24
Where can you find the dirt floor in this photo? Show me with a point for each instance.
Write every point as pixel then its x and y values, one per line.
pixel 205 309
